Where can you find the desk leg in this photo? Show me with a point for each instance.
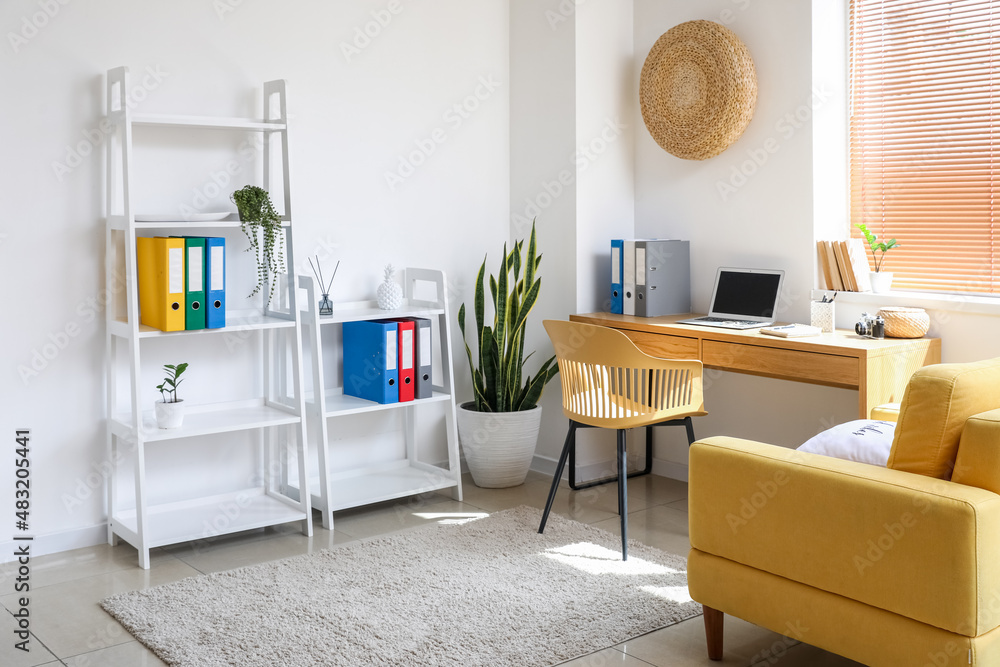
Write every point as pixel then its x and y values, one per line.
pixel 883 379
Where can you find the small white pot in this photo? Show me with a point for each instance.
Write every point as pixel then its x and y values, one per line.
pixel 498 446
pixel 169 415
pixel 881 281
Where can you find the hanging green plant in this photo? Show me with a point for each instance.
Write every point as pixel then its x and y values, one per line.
pixel 257 214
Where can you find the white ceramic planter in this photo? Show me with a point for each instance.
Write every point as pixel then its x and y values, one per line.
pixel 169 415
pixel 498 446
pixel 881 281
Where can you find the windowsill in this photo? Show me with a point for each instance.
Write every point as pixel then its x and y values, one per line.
pixel 983 305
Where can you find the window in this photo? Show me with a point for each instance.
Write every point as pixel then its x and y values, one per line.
pixel 925 138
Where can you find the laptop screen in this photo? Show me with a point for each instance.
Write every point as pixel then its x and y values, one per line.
pixel 746 293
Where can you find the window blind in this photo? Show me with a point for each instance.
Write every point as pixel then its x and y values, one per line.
pixel 925 138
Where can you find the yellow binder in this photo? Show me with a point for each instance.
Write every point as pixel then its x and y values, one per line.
pixel 160 263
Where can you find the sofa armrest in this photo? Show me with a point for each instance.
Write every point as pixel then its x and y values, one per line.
pixel 922 547
pixel 978 460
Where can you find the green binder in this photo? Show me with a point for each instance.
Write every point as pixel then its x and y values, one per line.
pixel 194 282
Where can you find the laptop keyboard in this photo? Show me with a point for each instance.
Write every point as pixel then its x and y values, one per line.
pixel 724 320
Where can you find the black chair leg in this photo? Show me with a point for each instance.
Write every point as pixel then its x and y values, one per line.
pixel 622 491
pixel 689 426
pixel 567 447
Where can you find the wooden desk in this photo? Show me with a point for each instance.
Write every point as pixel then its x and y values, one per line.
pixel 878 369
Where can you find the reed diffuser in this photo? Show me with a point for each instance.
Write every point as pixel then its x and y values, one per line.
pixel 325 305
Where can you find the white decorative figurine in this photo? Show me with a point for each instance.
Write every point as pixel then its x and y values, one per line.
pixel 389 293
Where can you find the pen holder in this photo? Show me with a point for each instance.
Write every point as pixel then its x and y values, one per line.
pixel 821 314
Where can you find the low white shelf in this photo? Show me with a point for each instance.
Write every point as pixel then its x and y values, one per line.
pixel 397 479
pixel 207 122
pixel 209 517
pixel 338 403
pixel 236 321
pixel 209 419
pixel 334 488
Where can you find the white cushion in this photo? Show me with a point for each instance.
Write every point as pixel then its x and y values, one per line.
pixel 862 440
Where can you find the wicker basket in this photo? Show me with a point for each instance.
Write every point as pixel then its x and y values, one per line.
pixel 905 322
pixel 697 89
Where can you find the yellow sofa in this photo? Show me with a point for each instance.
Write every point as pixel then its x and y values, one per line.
pixel 896 566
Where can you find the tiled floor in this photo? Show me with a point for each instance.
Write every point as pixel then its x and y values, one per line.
pixel 69 628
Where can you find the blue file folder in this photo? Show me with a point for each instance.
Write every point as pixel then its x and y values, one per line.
pixel 215 277
pixel 617 247
pixel 370 368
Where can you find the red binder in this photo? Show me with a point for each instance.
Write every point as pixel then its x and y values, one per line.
pixel 407 360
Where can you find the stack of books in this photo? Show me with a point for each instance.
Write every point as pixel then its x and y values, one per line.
pixel 844 265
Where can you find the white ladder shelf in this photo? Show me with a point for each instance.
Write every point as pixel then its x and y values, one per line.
pixel 279 414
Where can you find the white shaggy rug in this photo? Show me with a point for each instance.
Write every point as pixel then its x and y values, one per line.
pixel 488 592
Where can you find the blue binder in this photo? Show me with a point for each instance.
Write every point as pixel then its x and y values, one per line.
pixel 215 277
pixel 370 368
pixel 617 247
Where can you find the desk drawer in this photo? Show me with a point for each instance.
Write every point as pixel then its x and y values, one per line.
pixel 663 345
pixel 815 367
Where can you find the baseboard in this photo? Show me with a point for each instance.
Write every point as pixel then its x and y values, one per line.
pixel 670 469
pixel 51 543
pixel 547 466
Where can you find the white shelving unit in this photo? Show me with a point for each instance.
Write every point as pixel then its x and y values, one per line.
pixel 279 414
pixel 336 488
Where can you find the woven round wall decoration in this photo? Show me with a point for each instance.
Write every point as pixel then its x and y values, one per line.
pixel 697 89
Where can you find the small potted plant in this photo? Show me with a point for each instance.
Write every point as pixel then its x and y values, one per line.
pixel 259 218
pixel 881 280
pixel 499 428
pixel 169 410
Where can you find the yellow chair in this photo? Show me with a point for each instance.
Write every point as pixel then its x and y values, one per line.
pixel 608 382
pixel 886 566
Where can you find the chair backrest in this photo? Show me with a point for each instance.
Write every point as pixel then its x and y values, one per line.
pixel 607 381
pixel 938 400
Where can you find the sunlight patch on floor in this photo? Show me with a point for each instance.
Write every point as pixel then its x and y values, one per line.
pixel 594 559
pixel 677 594
pixel 451 518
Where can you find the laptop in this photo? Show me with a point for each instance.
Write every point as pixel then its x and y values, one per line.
pixel 742 299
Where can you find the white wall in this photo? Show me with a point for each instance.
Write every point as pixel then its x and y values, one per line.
pixel 572 142
pixel 354 115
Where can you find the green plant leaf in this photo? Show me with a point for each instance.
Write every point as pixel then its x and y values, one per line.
pixel 490 362
pixel 529 303
pixel 480 298
pixel 531 265
pixel 502 314
pixel 534 386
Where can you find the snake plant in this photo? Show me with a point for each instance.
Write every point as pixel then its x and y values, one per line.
pixel 498 380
